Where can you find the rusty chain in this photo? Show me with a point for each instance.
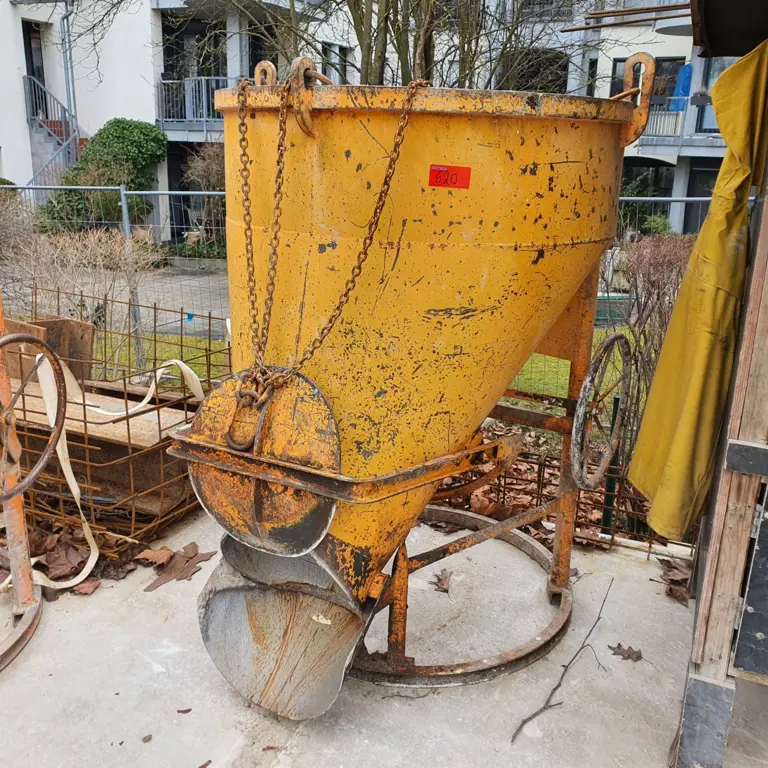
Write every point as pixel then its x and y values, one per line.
pixel 258 375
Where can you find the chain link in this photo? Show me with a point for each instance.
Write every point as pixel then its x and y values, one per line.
pixel 258 375
pixel 245 187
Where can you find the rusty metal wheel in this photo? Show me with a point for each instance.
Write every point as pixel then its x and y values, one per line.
pixel 592 427
pixel 8 419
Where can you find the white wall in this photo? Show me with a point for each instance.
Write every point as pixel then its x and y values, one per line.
pixel 15 153
pixel 118 78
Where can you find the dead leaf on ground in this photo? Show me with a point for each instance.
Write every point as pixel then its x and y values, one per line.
pixel 205 764
pixel 87 587
pixel 628 653
pixel 64 560
pixel 4 575
pixel 676 574
pixel 446 528
pixel 119 567
pixel 41 542
pixel 147 738
pixel 183 565
pixel 442 581
pixel 675 571
pixel 51 595
pixel 184 711
pixel 678 592
pixel 270 748
pixel 155 556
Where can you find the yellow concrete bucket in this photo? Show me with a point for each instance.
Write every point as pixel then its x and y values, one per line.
pixel 406 328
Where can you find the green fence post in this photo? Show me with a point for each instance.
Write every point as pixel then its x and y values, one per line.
pixel 609 501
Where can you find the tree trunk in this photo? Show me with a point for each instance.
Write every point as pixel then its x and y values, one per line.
pixel 419 58
pixel 366 44
pixel 380 51
pixel 403 45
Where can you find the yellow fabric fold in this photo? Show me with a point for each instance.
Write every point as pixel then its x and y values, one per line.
pixel 673 461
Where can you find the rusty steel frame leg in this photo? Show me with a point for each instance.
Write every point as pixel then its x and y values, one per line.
pixel 398 612
pixel 27 597
pixel 394 668
pixel 580 356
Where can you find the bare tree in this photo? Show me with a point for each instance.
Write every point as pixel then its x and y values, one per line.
pixel 507 44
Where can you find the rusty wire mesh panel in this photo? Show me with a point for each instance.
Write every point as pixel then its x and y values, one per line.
pixel 129 485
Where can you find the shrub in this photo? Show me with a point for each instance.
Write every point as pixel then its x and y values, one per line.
pixel 656 224
pixel 122 152
pixel 653 268
pixel 16 222
pixel 129 146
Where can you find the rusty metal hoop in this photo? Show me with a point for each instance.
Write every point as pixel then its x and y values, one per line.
pixel 379 670
pixel 61 408
pixel 590 398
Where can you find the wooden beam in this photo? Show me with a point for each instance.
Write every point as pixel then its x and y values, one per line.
pixel 635 11
pixel 734 504
pixel 646 21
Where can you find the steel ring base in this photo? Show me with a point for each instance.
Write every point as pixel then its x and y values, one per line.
pixel 377 669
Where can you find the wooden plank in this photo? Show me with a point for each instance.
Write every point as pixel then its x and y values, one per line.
pixel 71 340
pixel 135 393
pixel 747 458
pixel 723 501
pixel 730 574
pixel 139 431
pixel 752 421
pixel 21 357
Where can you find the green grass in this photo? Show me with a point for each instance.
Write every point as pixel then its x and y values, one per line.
pixel 120 355
pixel 545 375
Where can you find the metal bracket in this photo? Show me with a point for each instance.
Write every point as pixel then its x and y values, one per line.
pixel 336 486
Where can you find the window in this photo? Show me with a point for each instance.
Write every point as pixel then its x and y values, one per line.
pixel 701 182
pixel 714 68
pixel 337 63
pixel 665 80
pixel 591 77
pixel 617 76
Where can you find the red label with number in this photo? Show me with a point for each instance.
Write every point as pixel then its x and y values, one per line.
pixel 456 176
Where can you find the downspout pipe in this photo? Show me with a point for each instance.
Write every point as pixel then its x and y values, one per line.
pixel 69 75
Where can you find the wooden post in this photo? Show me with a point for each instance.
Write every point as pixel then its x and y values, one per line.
pixel 710 689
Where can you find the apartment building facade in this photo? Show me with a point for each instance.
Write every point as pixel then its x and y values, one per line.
pixel 681 150
pixel 157 61
pixel 161 62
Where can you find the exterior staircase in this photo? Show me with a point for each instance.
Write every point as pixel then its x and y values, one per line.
pixel 55 137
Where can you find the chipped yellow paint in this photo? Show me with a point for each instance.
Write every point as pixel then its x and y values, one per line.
pixel 459 288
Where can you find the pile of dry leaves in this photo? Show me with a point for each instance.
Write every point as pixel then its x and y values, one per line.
pixel 61 552
pixel 677 575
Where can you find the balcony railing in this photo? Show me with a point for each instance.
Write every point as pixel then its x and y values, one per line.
pixel 666 119
pixel 547 10
pixel 669 118
pixel 188 104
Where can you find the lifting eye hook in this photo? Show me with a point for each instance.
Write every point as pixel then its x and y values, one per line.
pixel 255 399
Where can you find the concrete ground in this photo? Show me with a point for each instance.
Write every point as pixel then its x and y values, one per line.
pixel 106 670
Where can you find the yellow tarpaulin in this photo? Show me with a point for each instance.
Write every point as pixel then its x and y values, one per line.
pixel 673 460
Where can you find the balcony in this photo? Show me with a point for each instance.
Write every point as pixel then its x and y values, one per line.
pixel 546 10
pixel 185 107
pixel 682 126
